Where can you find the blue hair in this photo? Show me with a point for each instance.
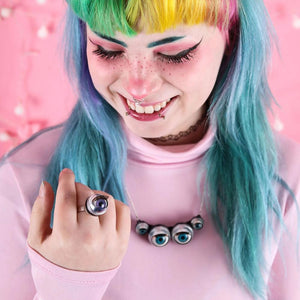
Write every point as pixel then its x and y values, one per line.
pixel 241 164
pixel 87 145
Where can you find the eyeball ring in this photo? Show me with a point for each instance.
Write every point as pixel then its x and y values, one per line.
pixel 182 233
pixel 96 204
pixel 142 227
pixel 159 236
pixel 197 222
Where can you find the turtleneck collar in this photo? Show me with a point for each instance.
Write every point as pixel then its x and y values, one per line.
pixel 141 150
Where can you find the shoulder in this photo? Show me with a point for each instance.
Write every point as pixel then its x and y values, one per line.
pixel 288 157
pixel 288 171
pixel 22 169
pixel 37 149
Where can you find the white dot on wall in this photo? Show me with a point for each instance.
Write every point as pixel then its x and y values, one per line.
pixel 4 137
pixel 19 110
pixel 41 2
pixel 296 22
pixel 42 32
pixel 278 125
pixel 5 12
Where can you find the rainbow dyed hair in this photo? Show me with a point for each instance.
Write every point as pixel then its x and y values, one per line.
pixel 132 16
pixel 241 164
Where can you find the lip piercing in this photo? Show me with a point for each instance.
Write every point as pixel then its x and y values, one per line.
pixel 127 113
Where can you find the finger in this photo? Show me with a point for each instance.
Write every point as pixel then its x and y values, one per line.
pixel 40 219
pixel 65 213
pixel 123 223
pixel 84 218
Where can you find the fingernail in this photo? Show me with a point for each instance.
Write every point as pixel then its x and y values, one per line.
pixel 66 171
pixel 42 190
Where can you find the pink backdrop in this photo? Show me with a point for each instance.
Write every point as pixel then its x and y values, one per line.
pixel 35 93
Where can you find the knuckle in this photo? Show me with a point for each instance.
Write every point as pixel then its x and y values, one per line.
pixel 88 238
pixel 123 243
pixel 124 210
pixel 68 196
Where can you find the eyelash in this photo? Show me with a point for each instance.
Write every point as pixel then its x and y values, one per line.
pixel 108 55
pixel 175 59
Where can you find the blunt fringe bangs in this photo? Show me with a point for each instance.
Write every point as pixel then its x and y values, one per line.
pixel 132 16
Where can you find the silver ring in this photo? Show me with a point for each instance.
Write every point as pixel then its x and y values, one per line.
pixel 95 205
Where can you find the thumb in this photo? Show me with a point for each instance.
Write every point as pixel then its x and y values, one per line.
pixel 39 228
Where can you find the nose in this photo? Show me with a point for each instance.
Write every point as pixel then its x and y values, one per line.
pixel 140 87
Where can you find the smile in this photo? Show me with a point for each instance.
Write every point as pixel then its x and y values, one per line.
pixel 147 109
pixel 145 112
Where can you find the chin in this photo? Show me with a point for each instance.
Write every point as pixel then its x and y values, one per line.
pixel 147 130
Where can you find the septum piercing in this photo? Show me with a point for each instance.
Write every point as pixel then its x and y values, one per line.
pixel 136 101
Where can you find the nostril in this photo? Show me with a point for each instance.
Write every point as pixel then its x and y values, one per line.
pixel 139 88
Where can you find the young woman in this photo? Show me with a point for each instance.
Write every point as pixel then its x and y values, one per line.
pixel 169 138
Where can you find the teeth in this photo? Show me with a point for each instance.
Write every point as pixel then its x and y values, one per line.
pixel 157 107
pixel 147 109
pixel 131 105
pixel 139 109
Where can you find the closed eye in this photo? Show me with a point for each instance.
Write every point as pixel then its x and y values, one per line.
pixel 106 54
pixel 180 57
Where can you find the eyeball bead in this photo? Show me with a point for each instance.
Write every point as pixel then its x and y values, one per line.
pixel 142 227
pixel 159 236
pixel 96 204
pixel 197 222
pixel 182 234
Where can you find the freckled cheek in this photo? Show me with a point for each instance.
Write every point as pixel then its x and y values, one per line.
pixel 103 72
pixel 181 74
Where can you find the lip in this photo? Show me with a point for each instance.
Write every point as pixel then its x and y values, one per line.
pixel 148 117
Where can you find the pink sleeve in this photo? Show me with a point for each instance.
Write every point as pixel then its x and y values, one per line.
pixel 284 282
pixel 16 281
pixel 54 282
pixel 24 273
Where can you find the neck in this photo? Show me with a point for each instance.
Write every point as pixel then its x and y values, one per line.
pixel 190 136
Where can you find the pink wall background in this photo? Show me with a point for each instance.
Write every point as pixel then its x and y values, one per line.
pixel 35 92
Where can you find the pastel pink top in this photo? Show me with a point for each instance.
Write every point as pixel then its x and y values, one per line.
pixel 162 184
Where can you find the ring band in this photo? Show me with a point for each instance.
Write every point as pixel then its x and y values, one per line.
pixel 81 209
pixel 95 205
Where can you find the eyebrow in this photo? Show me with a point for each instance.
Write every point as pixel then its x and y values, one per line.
pixel 111 39
pixel 150 45
pixel 165 41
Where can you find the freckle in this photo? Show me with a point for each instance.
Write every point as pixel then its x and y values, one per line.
pixel 170 74
pixel 164 69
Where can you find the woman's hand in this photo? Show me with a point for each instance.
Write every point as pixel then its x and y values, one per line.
pixel 78 241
